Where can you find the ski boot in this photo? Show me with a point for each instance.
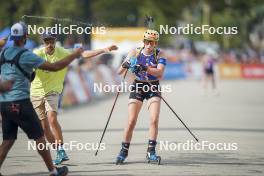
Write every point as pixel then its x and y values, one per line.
pixel 122 154
pixel 151 153
pixel 153 158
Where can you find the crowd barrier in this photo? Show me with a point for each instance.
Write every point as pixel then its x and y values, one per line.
pixel 241 71
pixel 79 84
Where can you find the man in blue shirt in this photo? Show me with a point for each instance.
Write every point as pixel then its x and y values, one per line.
pixel 5 85
pixel 17 64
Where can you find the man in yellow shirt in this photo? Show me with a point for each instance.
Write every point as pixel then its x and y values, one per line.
pixel 47 86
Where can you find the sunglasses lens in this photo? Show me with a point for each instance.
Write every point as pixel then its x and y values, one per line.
pixel 147 42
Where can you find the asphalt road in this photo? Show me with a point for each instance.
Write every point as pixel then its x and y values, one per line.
pixel 234 117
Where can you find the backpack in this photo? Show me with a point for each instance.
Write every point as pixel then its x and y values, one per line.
pixel 15 61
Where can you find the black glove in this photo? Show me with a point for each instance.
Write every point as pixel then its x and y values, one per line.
pixel 126 65
pixel 140 68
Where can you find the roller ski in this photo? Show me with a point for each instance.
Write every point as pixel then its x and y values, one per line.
pixel 153 158
pixel 122 154
pixel 151 153
pixel 121 157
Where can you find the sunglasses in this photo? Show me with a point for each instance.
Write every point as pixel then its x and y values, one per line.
pixel 148 42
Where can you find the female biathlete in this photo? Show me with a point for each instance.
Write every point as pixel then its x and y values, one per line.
pixel 208 63
pixel 149 68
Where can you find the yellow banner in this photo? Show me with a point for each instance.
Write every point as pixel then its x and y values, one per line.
pixel 121 34
pixel 230 71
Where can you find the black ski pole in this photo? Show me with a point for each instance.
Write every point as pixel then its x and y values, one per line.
pixel 175 113
pixel 112 109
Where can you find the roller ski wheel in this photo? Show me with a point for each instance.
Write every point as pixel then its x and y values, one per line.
pixel 121 158
pixel 153 158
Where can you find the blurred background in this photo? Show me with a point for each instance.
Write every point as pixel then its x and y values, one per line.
pixel 238 56
pixel 232 114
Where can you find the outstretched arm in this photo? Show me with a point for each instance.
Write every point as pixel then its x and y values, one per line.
pixel 92 53
pixel 56 66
